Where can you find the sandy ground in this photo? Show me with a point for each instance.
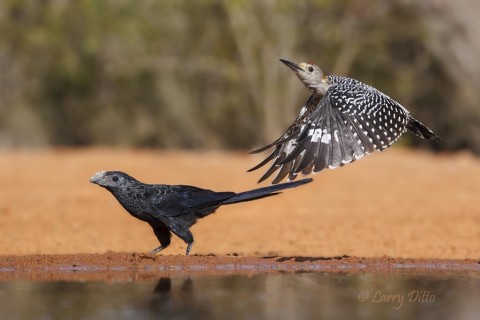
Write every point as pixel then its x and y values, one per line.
pixel 399 203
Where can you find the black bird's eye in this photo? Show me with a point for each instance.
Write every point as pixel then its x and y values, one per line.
pixel 310 69
pixel 115 178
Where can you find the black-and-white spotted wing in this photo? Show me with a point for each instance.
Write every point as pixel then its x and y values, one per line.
pixel 347 123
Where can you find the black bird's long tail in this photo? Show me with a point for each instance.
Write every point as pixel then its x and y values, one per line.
pixel 265 192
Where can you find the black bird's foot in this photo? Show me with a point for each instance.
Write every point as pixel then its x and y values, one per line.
pixel 157 249
pixel 189 247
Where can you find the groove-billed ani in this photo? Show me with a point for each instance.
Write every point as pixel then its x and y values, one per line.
pixel 174 208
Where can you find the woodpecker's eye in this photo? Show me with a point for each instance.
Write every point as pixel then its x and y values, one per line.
pixel 115 178
pixel 310 69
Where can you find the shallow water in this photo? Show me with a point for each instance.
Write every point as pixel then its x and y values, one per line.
pixel 300 295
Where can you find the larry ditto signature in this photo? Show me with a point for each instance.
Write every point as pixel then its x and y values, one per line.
pixel 396 299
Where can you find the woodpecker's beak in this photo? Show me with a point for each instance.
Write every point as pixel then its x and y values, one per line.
pixel 291 65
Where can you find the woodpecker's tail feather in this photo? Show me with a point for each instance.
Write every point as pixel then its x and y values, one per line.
pixel 421 130
pixel 265 192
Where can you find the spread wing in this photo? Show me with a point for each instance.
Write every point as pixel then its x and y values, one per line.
pixel 347 123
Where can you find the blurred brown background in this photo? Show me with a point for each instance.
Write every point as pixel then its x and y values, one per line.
pixel 397 203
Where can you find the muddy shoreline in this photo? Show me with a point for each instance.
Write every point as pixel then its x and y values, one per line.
pixel 113 266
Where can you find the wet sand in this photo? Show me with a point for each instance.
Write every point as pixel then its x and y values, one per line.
pixel 114 266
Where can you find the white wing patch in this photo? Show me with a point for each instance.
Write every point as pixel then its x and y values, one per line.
pixel 315 134
pixel 326 138
pixel 290 146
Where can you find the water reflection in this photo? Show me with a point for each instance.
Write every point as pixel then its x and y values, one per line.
pixel 176 298
pixel 298 295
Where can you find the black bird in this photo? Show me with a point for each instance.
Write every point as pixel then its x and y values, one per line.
pixel 174 208
pixel 343 120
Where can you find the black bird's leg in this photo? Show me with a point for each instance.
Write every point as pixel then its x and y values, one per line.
pixel 157 249
pixel 189 247
pixel 180 229
pixel 163 235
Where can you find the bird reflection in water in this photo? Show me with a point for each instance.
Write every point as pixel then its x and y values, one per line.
pixel 171 298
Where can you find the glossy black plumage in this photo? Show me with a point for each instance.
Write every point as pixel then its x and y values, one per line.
pixel 174 208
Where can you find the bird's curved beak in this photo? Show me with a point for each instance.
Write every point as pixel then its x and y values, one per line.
pixel 291 65
pixel 97 177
